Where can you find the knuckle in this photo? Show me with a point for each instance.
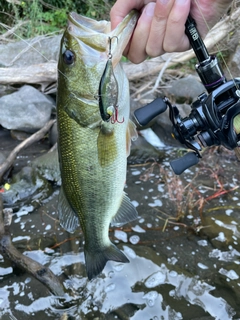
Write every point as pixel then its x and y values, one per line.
pixel 175 20
pixel 175 46
pixel 154 51
pixel 135 58
pixel 170 47
pixel 160 17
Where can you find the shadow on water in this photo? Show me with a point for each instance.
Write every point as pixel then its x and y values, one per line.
pixel 183 250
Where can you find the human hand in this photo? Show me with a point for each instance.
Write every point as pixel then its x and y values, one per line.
pixel 161 25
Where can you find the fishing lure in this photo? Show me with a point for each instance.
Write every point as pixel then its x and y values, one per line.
pixel 108 91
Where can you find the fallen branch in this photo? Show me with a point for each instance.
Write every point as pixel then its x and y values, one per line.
pixel 12 30
pixel 47 72
pixel 37 270
pixel 37 73
pixel 153 66
pixel 159 79
pixel 33 138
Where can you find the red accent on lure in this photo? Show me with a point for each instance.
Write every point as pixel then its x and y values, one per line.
pixel 114 117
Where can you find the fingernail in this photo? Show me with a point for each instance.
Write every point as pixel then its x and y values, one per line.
pixel 164 2
pixel 181 2
pixel 149 9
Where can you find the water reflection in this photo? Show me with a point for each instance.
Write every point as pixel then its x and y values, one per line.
pixel 189 271
pixel 142 284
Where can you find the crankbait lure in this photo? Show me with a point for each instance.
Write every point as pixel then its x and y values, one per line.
pixel 108 89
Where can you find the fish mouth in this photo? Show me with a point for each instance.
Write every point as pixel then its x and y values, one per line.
pixel 96 34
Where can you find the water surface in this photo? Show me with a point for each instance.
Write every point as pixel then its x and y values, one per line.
pixel 183 250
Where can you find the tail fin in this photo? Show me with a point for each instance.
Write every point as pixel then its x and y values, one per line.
pixel 96 261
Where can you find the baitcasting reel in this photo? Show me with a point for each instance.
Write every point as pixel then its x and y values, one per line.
pixel 213 114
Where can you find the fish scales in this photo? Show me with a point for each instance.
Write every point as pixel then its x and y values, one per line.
pixel 93 152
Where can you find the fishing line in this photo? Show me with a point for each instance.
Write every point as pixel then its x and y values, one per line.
pixel 31 46
pixel 42 55
pixel 217 45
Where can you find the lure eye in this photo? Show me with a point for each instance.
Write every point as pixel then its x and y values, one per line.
pixel 68 57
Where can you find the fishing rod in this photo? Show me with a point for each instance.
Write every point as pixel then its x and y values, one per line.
pixel 213 114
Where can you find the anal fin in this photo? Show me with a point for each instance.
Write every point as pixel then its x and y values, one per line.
pixel 67 216
pixel 126 213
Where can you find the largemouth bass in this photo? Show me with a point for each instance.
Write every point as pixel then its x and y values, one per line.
pixel 93 150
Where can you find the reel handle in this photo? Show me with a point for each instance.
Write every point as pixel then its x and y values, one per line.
pixel 146 113
pixel 181 164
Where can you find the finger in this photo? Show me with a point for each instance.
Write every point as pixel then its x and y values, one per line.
pixel 154 46
pixel 207 13
pixel 175 38
pixel 122 7
pixel 137 48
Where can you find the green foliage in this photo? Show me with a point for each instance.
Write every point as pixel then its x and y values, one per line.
pixel 51 15
pixel 191 64
pixel 223 56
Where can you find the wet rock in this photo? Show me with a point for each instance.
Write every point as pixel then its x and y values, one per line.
pixel 48 166
pixel 2 158
pixel 186 89
pixel 25 110
pixel 6 89
pixel 27 186
pixel 53 134
pixel 20 135
pixel 141 150
pixel 24 53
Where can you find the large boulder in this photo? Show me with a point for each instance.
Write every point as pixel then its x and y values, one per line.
pixel 26 110
pixel 27 52
pixel 185 89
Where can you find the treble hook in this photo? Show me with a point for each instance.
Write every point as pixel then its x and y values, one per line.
pixel 114 117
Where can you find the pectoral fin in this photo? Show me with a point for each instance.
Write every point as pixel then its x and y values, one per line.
pixel 126 213
pixel 68 218
pixel 131 135
pixel 107 148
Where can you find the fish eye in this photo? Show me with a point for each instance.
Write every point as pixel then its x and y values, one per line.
pixel 68 57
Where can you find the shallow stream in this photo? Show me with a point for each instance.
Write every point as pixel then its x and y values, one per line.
pixel 184 249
